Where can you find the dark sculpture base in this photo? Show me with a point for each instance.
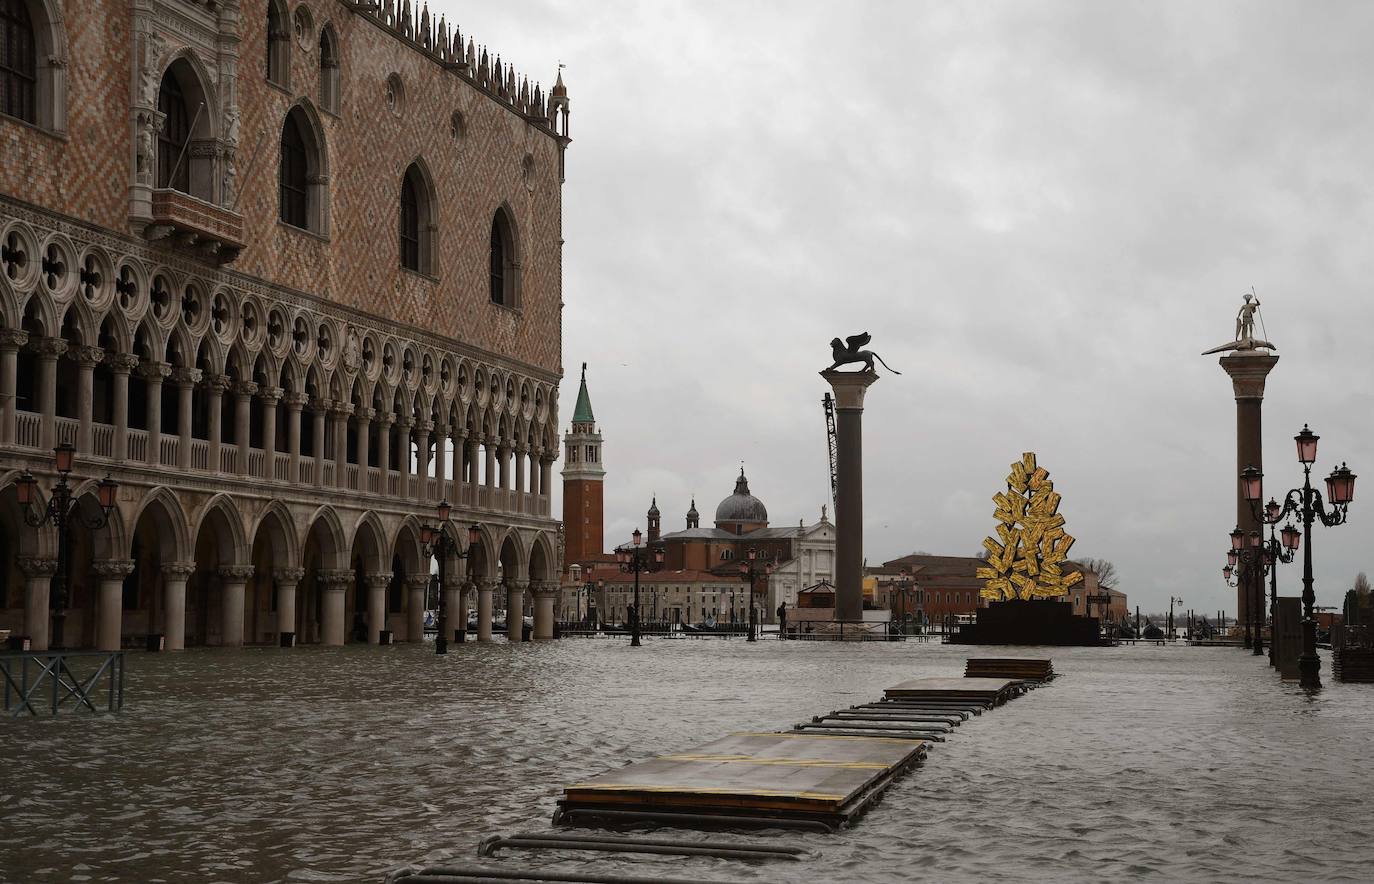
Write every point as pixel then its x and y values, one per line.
pixel 1030 622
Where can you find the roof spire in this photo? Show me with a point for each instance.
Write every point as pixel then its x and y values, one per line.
pixel 582 412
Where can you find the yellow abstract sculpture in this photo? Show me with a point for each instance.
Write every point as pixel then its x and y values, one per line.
pixel 1026 558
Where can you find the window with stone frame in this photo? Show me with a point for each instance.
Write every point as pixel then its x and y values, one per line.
pixel 416 221
pixel 505 278
pixel 18 62
pixel 295 188
pixel 329 70
pixel 173 166
pixel 278 60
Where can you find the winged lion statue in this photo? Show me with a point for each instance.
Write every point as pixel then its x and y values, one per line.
pixel 848 352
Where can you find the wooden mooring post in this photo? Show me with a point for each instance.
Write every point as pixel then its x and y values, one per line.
pixel 42 682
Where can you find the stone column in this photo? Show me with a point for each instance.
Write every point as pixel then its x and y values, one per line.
pixel 364 416
pixel 340 413
pixel 503 452
pixel 484 590
pixel 459 617
pixel 332 616
pixel 422 430
pixel 11 339
pixel 154 373
pixel 120 366
pixel 536 471
pixel 453 602
pixel 215 387
pixel 287 579
pixel 544 596
pixel 49 350
pixel 269 396
pixel 294 403
pixel 520 454
pixel 545 471
pixel 232 579
pixel 415 608
pixel 849 390
pixel 1248 370
pixel 457 478
pixel 38 574
pixel 489 478
pixel 86 360
pixel 110 604
pixel 376 606
pixel 174 577
pixel 243 404
pixel 318 411
pixel 185 380
pixel 403 423
pixel 440 437
pixel 515 609
pixel 384 421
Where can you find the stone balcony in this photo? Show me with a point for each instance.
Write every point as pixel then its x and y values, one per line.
pixel 194 224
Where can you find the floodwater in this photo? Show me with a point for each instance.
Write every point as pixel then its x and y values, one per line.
pixel 341 765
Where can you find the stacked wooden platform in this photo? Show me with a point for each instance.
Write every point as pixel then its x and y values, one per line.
pixel 820 775
pixel 1022 668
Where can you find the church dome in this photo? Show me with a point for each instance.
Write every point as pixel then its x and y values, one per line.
pixel 741 506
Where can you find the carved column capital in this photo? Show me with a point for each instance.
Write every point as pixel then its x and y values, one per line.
pixel 365 415
pixel 288 575
pixel 37 566
pixel 417 581
pixel 12 338
pixel 186 377
pixel 121 363
pixel 270 394
pixel 319 405
pixel 217 383
pixel 113 568
pixel 155 372
pixel 245 389
pixel 336 579
pixel 295 401
pixel 236 573
pixel 341 410
pixel 404 421
pixel 50 348
pixel 488 583
pixel 521 585
pixel 178 570
pixel 378 581
pixel 424 426
pixel 386 418
pixel 87 357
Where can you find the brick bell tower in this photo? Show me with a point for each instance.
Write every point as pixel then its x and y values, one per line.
pixel 583 476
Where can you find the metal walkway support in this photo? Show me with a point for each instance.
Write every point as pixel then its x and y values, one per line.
pixel 42 682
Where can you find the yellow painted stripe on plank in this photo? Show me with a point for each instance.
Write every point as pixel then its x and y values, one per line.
pixel 703 790
pixel 810 736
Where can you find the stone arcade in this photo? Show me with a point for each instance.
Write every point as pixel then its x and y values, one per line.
pixel 291 274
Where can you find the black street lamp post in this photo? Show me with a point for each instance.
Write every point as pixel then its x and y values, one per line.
pixel 437 542
pixel 1246 559
pixel 749 572
pixel 61 510
pixel 1307 503
pixel 637 559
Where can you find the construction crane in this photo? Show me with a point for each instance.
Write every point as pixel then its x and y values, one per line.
pixel 829 405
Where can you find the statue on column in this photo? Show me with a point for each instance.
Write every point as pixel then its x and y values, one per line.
pixel 849 352
pixel 1245 330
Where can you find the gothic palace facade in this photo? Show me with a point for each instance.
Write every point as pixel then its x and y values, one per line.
pixel 289 272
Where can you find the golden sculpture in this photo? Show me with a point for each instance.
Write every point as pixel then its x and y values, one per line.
pixel 1026 559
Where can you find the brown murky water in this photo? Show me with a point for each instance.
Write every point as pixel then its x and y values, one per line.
pixel 341 765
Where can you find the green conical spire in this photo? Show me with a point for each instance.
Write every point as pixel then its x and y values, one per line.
pixel 582 413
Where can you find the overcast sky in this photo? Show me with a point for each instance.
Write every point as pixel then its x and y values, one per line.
pixel 1043 212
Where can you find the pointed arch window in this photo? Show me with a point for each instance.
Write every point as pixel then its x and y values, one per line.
pixel 329 70
pixel 504 268
pixel 173 166
pixel 416 221
pixel 278 43
pixel 18 62
pixel 301 178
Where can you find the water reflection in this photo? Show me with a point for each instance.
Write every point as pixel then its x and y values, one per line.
pixel 341 764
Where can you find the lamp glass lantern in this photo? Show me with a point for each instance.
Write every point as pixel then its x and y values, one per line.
pixel 658 555
pixel 1226 571
pixel 1307 446
pixel 1232 557
pixel 1291 537
pixel 444 510
pixel 26 488
pixel 1254 540
pixel 1252 484
pixel 64 454
pixel 1340 486
pixel 1237 539
pixel 427 535
pixel 638 537
pixel 105 492
pixel 1272 511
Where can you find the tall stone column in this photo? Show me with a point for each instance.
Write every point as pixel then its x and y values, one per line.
pixel 215 387
pixel 503 452
pixel 544 596
pixel 232 580
pixel 332 617
pixel 49 349
pixel 489 477
pixel 403 423
pixel 515 609
pixel 287 579
pixel 422 431
pixel 38 574
pixel 459 618
pixel 295 402
pixel 415 608
pixel 121 364
pixel 364 416
pixel 318 410
pixel 1248 370
pixel 243 417
pixel 174 577
pixel 459 438
pixel 545 471
pixel 185 380
pixel 11 339
pixel 86 360
pixel 342 411
pixel 376 606
pixel 521 452
pixel 269 396
pixel 110 604
pixel 154 373
pixel 485 587
pixel 384 421
pixel 456 614
pixel 849 388
pixel 440 463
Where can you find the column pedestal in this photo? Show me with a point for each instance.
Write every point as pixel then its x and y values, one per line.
pixel 849 388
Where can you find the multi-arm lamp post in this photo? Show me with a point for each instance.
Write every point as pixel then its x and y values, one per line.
pixel 61 510
pixel 748 572
pixel 637 559
pixel 1245 559
pixel 437 542
pixel 1307 503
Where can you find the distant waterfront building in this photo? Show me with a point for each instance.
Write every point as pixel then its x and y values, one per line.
pixel 948 585
pixel 291 274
